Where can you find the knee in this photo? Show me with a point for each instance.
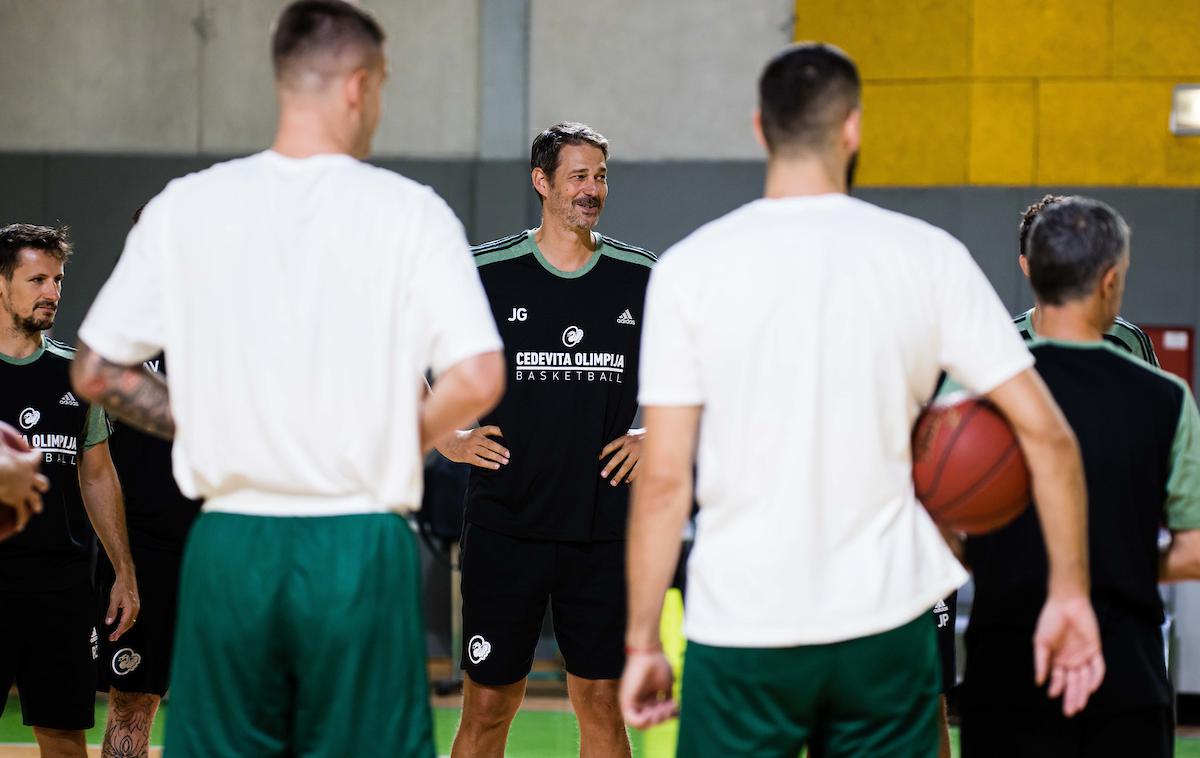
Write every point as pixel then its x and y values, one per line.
pixel 126 704
pixel 490 707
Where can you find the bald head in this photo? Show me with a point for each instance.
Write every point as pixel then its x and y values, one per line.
pixel 317 40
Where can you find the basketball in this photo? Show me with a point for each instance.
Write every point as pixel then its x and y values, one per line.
pixel 968 470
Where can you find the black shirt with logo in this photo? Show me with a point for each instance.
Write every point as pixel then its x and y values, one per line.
pixel 1139 434
pixel 571 344
pixel 158 515
pixel 54 552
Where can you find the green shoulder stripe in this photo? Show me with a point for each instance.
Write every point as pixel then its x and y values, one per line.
pixel 500 244
pixel 1132 334
pixel 1183 483
pixel 628 253
pixel 61 349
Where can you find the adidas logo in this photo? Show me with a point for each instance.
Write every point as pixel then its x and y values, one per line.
pixel 940 607
pixel 68 399
pixel 626 318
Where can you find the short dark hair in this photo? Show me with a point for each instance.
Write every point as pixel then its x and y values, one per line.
pixel 1073 241
pixel 548 144
pixel 55 241
pixel 804 94
pixel 1029 215
pixel 321 27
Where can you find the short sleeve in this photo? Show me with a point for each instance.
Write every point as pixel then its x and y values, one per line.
pixel 456 318
pixel 96 428
pixel 1183 483
pixel 978 345
pixel 125 324
pixel 669 370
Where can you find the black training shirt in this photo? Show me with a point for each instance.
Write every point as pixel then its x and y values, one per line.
pixel 571 344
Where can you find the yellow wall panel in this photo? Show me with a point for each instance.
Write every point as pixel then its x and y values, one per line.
pixel 1156 38
pixel 914 134
pixel 1111 133
pixel 1041 38
pixel 890 39
pixel 1003 143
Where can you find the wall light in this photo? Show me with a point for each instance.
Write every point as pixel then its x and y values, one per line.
pixel 1185 109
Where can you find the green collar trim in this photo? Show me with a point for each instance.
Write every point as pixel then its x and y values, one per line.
pixel 591 262
pixel 27 359
pixel 1088 345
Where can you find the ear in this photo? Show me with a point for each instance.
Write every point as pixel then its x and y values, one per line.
pixel 1023 262
pixel 1108 282
pixel 541 182
pixel 852 130
pixel 355 88
pixel 756 122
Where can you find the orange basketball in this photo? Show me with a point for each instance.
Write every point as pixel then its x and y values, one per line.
pixel 968 469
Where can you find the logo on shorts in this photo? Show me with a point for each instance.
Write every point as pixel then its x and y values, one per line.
pixel 29 418
pixel 95 640
pixel 572 336
pixel 125 661
pixel 478 649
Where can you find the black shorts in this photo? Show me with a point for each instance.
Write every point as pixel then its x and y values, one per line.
pixel 506 584
pixel 140 661
pixel 1006 732
pixel 945 613
pixel 48 649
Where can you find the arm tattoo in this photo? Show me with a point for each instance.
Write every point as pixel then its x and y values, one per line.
pixel 132 394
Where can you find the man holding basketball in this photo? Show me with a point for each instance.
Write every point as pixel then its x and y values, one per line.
pixel 299 628
pixel 1142 463
pixel 885 302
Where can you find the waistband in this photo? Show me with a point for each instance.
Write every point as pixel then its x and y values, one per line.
pixel 257 503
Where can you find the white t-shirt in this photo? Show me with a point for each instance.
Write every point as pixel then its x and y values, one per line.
pixel 811 330
pixel 298 302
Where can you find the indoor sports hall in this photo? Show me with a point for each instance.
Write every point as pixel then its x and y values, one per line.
pixel 972 111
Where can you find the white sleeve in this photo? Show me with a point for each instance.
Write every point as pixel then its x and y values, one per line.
pixel 979 346
pixel 125 324
pixel 669 371
pixel 456 318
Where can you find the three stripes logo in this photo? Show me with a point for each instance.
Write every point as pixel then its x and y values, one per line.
pixel 68 399
pixel 626 318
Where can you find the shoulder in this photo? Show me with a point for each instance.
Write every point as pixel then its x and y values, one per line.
pixel 59 349
pixel 1150 375
pixel 503 249
pixel 623 251
pixel 1134 339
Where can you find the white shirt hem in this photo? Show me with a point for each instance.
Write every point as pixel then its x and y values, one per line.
pixel 757 635
pixel 256 503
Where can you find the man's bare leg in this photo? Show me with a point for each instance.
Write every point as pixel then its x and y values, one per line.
pixel 130 716
pixel 943 729
pixel 60 743
pixel 486 716
pixel 601 728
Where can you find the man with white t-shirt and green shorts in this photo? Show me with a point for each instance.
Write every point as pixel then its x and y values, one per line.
pixel 808 328
pixel 299 626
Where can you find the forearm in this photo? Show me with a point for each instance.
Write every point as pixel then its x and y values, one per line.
pixel 106 508
pixel 132 394
pixel 1060 495
pixel 658 514
pixel 1181 560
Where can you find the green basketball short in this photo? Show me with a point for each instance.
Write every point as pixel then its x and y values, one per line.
pixel 299 636
pixel 874 696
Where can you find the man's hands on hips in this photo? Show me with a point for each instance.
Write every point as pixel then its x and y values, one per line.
pixel 124 597
pixel 21 486
pixel 1066 646
pixel 645 694
pixel 476 447
pixel 626 452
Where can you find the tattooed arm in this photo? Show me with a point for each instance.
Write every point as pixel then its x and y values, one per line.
pixel 130 393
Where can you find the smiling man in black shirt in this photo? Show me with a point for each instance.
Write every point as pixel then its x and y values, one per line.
pixel 546 505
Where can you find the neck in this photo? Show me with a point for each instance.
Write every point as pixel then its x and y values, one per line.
pixel 305 130
pixel 806 174
pixel 1073 322
pixel 567 248
pixel 18 343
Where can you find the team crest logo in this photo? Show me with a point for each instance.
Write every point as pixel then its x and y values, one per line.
pixel 29 418
pixel 478 649
pixel 572 336
pixel 125 661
